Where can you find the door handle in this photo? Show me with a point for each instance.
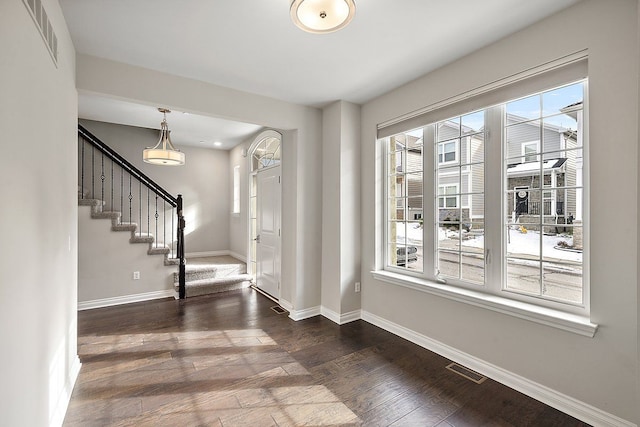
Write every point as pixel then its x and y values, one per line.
pixel 257 239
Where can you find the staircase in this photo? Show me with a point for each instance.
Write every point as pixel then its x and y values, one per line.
pixel 214 274
pixel 118 191
pixel 203 276
pixel 155 248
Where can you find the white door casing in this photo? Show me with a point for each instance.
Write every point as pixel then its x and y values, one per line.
pixel 268 231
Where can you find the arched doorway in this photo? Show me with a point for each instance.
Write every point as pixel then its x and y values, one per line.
pixel 264 157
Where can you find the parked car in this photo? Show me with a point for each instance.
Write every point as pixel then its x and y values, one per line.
pixel 406 254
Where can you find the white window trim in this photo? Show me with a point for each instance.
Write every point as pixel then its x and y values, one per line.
pixel 577 324
pixel 569 317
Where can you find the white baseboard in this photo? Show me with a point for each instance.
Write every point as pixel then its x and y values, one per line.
pixel 303 314
pixel 236 255
pixel 286 305
pixel 555 399
pixel 57 417
pixel 340 319
pixel 126 299
pixel 206 254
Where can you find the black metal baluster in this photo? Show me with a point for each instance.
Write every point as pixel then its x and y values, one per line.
pixel 102 177
pixel 164 223
pixel 112 187
pixel 130 199
pixel 121 190
pixel 140 208
pixel 82 173
pixel 93 173
pixel 148 213
pixel 156 235
pixel 182 289
pixel 173 228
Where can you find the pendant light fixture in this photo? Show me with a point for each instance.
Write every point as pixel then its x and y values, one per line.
pixel 322 16
pixel 164 153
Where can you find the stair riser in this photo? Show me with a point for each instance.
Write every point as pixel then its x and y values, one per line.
pixel 212 274
pixel 193 291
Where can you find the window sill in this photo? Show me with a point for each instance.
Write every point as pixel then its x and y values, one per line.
pixel 557 319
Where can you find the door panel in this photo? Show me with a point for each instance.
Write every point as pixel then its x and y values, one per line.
pixel 268 230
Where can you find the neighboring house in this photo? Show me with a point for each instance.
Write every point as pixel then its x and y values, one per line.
pixel 551 152
pixel 460 189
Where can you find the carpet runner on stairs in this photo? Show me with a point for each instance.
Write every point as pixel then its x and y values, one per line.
pixel 214 274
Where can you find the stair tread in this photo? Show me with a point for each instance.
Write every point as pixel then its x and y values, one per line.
pixel 214 280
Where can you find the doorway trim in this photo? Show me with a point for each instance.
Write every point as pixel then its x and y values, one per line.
pixel 252 172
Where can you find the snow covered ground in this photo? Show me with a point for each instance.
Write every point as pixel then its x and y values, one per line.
pixel 518 243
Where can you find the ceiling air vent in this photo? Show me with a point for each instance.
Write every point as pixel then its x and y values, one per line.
pixel 41 19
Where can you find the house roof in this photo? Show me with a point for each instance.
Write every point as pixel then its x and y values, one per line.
pixel 530 168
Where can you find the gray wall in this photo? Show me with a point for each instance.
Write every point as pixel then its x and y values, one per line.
pixel 599 371
pixel 301 170
pixel 340 209
pixel 38 220
pixel 203 182
pixel 106 262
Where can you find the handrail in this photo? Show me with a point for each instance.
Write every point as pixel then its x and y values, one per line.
pixel 82 131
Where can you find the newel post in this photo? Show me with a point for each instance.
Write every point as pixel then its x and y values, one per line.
pixel 182 290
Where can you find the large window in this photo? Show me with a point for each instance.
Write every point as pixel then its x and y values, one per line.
pixel 513 228
pixel 236 190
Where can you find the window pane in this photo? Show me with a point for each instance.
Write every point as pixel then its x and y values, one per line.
pixel 413 160
pixel 414 184
pixel 524 276
pixel 448 129
pixel 396 228
pixel 476 148
pixel 447 151
pixel 449 263
pixel 523 109
pixel 563 99
pixel 562 281
pixel 472 267
pixel 519 135
pixel 473 123
pixel 449 175
pixel 523 243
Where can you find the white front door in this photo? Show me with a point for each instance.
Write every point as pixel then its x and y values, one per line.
pixel 268 231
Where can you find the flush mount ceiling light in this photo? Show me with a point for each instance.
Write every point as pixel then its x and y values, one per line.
pixel 164 153
pixel 322 16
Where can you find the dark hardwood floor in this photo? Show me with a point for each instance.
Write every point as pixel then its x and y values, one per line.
pixel 230 360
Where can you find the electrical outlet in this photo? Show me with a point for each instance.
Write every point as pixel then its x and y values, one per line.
pixel 357 286
pixel 136 275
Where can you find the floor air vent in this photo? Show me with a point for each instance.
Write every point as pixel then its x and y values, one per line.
pixel 467 373
pixel 278 309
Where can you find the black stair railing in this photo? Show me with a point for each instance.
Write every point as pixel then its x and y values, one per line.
pixel 122 187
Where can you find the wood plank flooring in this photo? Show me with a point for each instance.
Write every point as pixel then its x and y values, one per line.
pixel 229 360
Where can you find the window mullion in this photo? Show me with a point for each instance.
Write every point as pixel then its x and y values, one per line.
pixel 429 200
pixel 495 230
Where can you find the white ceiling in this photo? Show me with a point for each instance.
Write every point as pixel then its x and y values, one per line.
pixel 253 46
